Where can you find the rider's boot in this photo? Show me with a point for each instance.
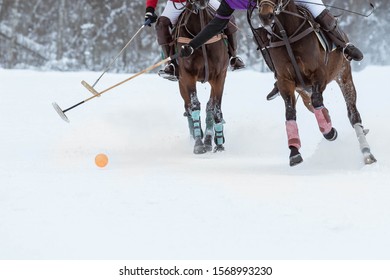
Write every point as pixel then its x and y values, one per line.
pixel 329 23
pixel 235 61
pixel 274 93
pixel 171 69
pixel 164 39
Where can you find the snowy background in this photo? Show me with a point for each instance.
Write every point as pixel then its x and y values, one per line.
pixel 157 200
pixel 87 34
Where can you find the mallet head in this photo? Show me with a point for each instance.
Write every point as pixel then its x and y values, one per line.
pixel 60 112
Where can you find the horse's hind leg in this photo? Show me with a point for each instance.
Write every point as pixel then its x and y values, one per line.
pixel 322 114
pixel 345 82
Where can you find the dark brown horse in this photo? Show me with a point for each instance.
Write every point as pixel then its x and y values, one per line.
pixel 301 64
pixel 207 64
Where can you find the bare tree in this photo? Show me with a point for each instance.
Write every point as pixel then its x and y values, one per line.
pixel 87 34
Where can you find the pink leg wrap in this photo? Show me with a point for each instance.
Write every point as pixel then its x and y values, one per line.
pixel 292 134
pixel 323 120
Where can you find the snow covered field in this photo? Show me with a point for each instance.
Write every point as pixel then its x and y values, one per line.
pixel 157 200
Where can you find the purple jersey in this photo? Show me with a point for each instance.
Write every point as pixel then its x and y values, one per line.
pixel 241 4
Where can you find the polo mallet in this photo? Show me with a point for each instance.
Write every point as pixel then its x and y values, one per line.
pixel 369 13
pixel 147 22
pixel 96 94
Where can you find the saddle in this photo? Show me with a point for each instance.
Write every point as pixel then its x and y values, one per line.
pixel 322 35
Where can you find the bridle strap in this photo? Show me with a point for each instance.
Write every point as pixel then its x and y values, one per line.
pixel 293 39
pixel 204 51
pixel 290 53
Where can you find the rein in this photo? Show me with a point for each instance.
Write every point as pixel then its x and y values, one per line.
pixel 292 38
pixel 291 53
pixel 204 51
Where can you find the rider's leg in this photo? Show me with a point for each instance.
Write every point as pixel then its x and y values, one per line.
pixel 235 61
pixel 164 39
pixel 314 6
pixel 261 36
pixel 230 31
pixel 164 24
pixel 329 23
pixel 173 11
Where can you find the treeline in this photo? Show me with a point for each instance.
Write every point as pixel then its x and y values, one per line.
pixel 85 35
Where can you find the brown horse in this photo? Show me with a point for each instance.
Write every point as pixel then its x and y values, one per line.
pixel 207 64
pixel 301 64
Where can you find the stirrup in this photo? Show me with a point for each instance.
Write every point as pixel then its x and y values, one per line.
pixel 350 57
pixel 236 63
pixel 169 75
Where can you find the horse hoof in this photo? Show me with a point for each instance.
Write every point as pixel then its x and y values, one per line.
pixel 198 150
pixel 219 148
pixel 369 158
pixel 331 135
pixel 208 148
pixel 208 143
pixel 199 147
pixel 295 160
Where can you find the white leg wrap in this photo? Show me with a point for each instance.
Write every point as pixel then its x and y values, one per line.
pixel 364 147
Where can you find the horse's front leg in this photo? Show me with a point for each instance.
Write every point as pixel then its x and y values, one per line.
pixel 219 138
pixel 192 107
pixel 293 140
pixel 322 114
pixel 199 147
pixel 214 126
pixel 214 118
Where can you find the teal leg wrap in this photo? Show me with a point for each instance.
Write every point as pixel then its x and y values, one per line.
pixel 209 123
pixel 196 121
pixel 190 123
pixel 218 138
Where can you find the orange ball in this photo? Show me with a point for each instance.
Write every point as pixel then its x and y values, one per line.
pixel 101 160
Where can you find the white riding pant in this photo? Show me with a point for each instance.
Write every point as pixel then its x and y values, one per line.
pixel 173 10
pixel 315 6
